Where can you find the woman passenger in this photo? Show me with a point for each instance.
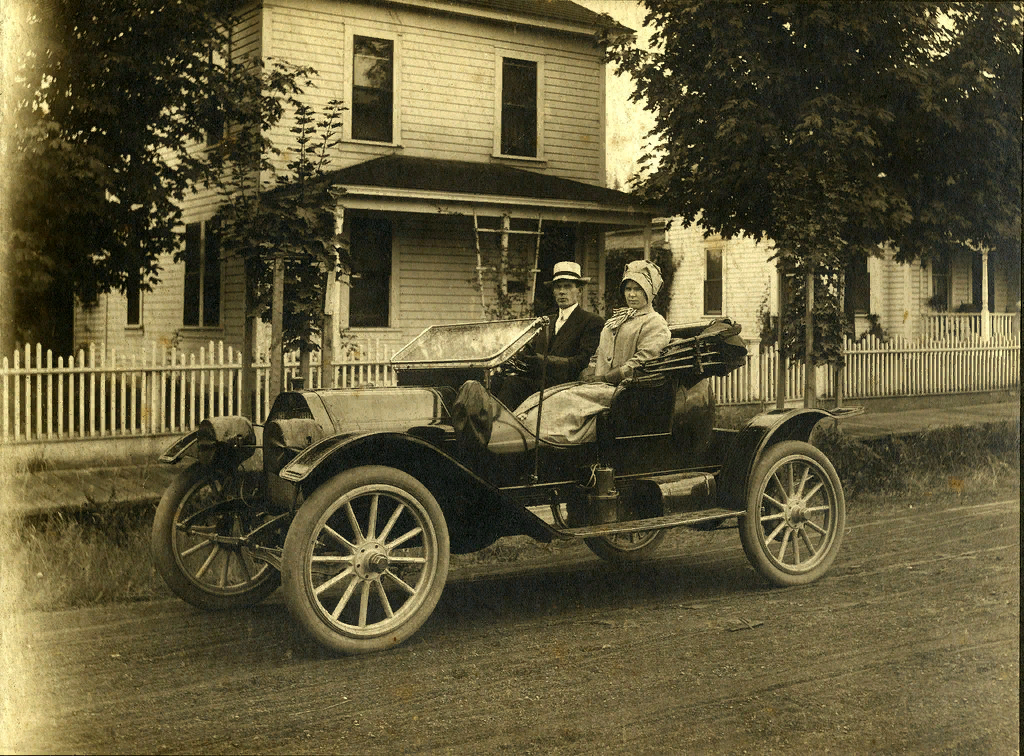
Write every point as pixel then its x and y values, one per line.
pixel 632 335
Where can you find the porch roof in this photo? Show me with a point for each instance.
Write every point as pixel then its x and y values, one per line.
pixel 414 184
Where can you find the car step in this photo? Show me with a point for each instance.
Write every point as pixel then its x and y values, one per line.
pixel 653 523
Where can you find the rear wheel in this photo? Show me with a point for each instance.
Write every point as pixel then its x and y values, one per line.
pixel 365 560
pixel 795 515
pixel 626 547
pixel 195 542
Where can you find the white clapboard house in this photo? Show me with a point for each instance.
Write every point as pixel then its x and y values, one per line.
pixel 481 116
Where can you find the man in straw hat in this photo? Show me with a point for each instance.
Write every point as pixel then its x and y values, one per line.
pixel 572 337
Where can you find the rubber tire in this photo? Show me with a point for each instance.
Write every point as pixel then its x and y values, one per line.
pixel 162 545
pixel 302 537
pixel 605 548
pixel 750 525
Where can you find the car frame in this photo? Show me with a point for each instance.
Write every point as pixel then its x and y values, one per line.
pixel 352 500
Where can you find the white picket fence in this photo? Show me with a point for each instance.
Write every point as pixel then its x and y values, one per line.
pixel 878 369
pixel 104 393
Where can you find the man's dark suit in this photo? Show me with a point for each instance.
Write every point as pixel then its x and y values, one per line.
pixel 569 351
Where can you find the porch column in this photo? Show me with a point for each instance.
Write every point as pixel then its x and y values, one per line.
pixel 909 310
pixel 986 316
pixel 647 240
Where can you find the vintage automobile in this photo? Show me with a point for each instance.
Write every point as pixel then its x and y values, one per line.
pixel 355 498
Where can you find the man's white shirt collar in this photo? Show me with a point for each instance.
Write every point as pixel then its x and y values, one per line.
pixel 563 315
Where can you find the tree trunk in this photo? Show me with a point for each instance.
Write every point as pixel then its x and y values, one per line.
pixel 810 379
pixel 780 372
pixel 277 332
pixel 248 379
pixel 840 365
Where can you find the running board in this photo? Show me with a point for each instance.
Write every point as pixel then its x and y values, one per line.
pixel 654 523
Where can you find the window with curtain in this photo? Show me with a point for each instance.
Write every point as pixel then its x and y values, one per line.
pixel 373 62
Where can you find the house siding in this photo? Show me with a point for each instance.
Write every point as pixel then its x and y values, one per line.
pixel 747 278
pixel 447 102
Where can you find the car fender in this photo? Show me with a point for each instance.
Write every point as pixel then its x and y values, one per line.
pixel 378 448
pixel 184 446
pixel 753 439
pixel 476 511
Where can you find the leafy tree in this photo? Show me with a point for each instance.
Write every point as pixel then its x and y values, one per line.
pixel 288 216
pixel 833 128
pixel 104 99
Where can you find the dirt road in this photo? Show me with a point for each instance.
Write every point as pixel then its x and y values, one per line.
pixel 910 644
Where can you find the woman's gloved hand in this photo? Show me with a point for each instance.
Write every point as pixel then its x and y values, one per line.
pixel 614 377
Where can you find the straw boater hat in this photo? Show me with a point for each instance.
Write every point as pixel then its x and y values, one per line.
pixel 568 271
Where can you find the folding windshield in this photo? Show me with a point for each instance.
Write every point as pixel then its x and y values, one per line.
pixel 471 345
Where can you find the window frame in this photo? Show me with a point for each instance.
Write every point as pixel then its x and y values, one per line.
pixel 708 249
pixel 203 287
pixel 396 84
pixel 500 55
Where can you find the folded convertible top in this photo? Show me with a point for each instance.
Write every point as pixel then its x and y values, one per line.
pixel 715 349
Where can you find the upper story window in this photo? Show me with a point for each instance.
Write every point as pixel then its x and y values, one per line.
pixel 211 113
pixel 713 281
pixel 201 305
pixel 373 89
pixel 370 294
pixel 520 105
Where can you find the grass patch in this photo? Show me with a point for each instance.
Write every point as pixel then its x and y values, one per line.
pixel 67 559
pixel 963 459
pixel 64 560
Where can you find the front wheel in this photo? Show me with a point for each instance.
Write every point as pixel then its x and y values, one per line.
pixel 795 514
pixel 196 540
pixel 365 560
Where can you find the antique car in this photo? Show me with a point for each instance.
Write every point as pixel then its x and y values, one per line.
pixel 353 499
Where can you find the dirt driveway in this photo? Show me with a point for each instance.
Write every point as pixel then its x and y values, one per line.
pixel 910 644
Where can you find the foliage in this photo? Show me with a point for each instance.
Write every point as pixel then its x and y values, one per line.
pixel 832 128
pixel 106 99
pixel 615 262
pixel 291 216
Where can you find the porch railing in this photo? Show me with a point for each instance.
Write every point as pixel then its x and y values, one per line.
pixel 104 393
pixel 967 325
